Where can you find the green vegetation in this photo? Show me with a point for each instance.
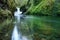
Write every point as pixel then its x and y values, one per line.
pixel 46 26
pixel 45 7
pixel 33 7
pixel 7 6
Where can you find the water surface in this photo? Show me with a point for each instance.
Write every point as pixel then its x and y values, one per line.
pixel 32 28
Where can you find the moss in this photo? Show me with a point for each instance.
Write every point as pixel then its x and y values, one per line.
pixel 5 13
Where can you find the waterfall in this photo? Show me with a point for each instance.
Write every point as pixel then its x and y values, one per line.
pixel 16 35
pixel 17 14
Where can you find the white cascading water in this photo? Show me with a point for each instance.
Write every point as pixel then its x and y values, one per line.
pixel 17 14
pixel 16 35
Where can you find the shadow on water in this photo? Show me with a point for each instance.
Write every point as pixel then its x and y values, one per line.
pixel 32 28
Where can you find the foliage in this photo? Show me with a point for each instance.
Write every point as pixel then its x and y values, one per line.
pixel 34 7
pixel 5 13
pixel 46 7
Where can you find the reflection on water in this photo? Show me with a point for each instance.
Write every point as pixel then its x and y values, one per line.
pixel 15 34
pixel 33 28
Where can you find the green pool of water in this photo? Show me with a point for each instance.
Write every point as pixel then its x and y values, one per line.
pixel 33 27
